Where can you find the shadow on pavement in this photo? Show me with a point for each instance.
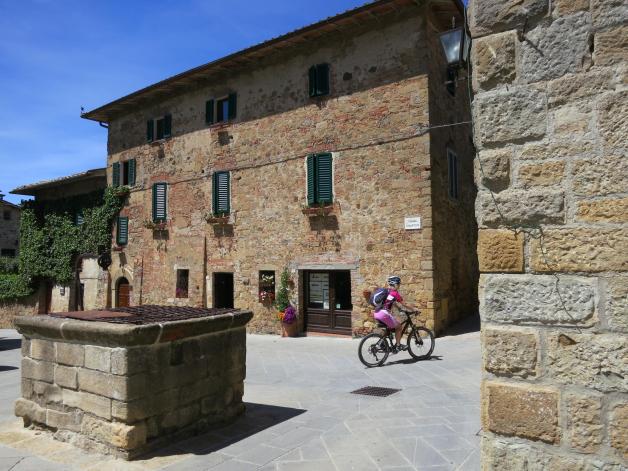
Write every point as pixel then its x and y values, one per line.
pixel 9 344
pixel 469 324
pixel 7 368
pixel 256 418
pixel 408 361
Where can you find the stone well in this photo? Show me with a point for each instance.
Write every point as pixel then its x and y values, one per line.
pixel 126 381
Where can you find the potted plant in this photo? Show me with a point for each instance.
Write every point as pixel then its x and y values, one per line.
pixel 156 226
pixel 287 314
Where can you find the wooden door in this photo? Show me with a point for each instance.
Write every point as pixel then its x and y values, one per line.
pixel 328 302
pixel 123 293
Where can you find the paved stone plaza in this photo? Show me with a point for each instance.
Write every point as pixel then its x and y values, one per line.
pixel 300 414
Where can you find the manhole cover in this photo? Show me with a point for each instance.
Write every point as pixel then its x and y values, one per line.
pixel 375 391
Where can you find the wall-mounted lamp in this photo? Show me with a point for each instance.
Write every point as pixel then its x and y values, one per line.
pixel 456 44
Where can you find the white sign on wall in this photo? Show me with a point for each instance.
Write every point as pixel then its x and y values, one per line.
pixel 412 223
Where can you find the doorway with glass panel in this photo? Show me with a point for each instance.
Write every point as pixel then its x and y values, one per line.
pixel 328 301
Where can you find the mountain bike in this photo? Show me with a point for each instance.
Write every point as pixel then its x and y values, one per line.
pixel 375 347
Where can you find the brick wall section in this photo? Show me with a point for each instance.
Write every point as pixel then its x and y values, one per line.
pixel 550 127
pixel 371 122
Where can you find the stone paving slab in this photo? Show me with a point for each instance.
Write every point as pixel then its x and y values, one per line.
pixel 300 414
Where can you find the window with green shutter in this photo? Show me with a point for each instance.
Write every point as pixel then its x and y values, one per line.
pixel 159 128
pixel 221 198
pixel 115 174
pixel 122 233
pixel 78 218
pixel 160 203
pixel 126 172
pixel 319 80
pixel 221 110
pixel 320 179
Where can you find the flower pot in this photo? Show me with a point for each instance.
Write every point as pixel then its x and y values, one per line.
pixel 288 330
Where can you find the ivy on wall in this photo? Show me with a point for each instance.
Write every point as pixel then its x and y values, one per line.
pixel 51 239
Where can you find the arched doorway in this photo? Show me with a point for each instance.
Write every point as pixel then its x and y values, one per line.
pixel 123 293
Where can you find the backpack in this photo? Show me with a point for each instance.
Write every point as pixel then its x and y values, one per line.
pixel 378 297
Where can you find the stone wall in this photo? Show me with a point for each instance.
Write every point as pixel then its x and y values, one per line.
pixel 551 130
pixel 373 121
pixel 124 389
pixel 27 306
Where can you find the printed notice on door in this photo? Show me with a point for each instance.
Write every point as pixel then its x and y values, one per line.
pixel 319 290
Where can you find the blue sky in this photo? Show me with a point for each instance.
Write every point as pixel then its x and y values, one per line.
pixel 56 56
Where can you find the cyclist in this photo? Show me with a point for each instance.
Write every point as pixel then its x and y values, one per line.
pixel 384 313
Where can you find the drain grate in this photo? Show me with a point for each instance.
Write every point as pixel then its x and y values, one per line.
pixel 375 391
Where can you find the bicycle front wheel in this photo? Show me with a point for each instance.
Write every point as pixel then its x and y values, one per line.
pixel 421 343
pixel 373 350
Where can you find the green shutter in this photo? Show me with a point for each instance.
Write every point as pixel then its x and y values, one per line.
pixel 209 112
pixel 233 104
pixel 122 235
pixel 312 81
pixel 324 193
pixel 160 192
pixel 78 220
pixel 221 196
pixel 115 177
pixel 131 165
pixel 150 130
pixel 322 79
pixel 311 178
pixel 168 125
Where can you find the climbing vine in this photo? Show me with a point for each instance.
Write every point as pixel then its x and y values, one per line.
pixel 51 238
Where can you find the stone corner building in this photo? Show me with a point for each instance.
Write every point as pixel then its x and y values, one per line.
pixel 306 152
pixel 551 127
pixel 91 290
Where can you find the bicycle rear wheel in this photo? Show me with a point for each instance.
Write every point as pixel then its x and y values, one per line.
pixel 420 343
pixel 373 350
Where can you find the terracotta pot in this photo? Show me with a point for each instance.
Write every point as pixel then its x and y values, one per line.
pixel 289 330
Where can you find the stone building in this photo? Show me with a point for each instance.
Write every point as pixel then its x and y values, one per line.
pixel 551 126
pixel 93 281
pixel 9 228
pixel 333 152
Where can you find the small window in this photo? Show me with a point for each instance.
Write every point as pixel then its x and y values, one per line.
pixel 319 80
pixel 319 179
pixel 221 110
pixel 221 197
pixel 124 173
pixel 122 232
pixel 7 252
pixel 182 283
pixel 7 215
pixel 452 171
pixel 160 202
pixel 266 287
pixel 159 128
